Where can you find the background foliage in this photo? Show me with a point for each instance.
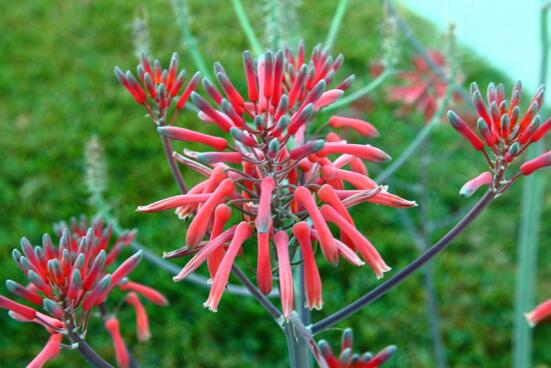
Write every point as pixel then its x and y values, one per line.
pixel 57 89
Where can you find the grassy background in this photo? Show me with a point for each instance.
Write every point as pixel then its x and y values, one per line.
pixel 57 89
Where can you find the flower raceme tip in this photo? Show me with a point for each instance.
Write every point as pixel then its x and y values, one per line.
pixel 348 359
pixel 502 134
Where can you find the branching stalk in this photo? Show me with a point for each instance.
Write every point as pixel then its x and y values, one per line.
pixel 430 253
pixel 85 350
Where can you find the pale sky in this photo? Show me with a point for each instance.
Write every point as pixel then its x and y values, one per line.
pixel 505 32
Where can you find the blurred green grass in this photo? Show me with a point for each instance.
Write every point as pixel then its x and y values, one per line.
pixel 57 89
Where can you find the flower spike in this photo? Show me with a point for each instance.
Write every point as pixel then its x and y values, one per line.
pixel 266 174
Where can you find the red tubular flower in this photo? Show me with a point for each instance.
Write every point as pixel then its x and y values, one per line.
pixel 362 127
pixel 50 351
pixel 264 264
pixel 121 352
pixel 264 215
pixel 198 227
pixel 329 98
pixel 312 280
pixel 472 185
pixel 204 253
pixel 147 292
pixel 365 152
pixel 506 135
pixel 20 309
pixel 347 359
pixel 366 249
pixel 174 202
pixel 281 240
pixel 187 135
pixel 465 131
pixel 242 233
pixel 222 215
pixel 273 174
pixel 263 226
pixel 328 247
pixel 142 322
pixel 539 162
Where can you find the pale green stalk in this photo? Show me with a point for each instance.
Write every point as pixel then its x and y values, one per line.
pixel 246 26
pixel 335 24
pixel 189 41
pixel 532 198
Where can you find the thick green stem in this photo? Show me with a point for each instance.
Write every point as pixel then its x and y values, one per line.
pixel 297 346
pixel 532 197
pixel 300 345
pixel 526 264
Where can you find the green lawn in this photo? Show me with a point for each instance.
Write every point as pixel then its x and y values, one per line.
pixel 57 89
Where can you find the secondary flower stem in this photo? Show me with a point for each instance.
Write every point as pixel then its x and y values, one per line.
pixel 335 24
pixel 167 147
pixel 361 92
pixel 430 253
pixel 86 351
pixel 267 304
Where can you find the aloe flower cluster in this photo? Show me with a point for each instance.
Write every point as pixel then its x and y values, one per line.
pixel 286 186
pixel 70 279
pixel 421 88
pixel 503 134
pixel 157 87
pixel 348 359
